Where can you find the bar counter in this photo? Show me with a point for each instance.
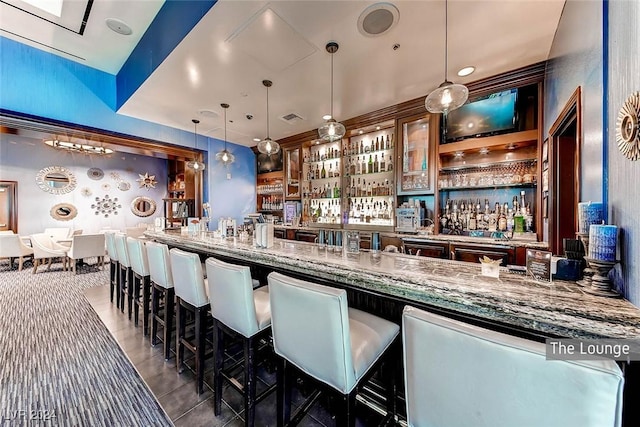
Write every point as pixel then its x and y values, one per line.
pixel 513 301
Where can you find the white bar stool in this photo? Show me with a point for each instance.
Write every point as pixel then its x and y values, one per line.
pixel 315 331
pixel 458 374
pixel 191 295
pixel 114 267
pixel 125 274
pixel 238 311
pixel 161 289
pixel 141 281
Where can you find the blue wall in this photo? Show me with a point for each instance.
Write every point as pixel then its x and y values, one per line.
pixel 41 84
pixel 624 175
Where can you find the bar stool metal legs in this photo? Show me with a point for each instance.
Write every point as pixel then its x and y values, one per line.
pixel 141 284
pixel 195 345
pixel 164 318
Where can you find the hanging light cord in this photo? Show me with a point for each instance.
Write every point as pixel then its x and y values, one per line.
pixel 331 105
pixel 225 129
pixel 268 113
pixel 446 37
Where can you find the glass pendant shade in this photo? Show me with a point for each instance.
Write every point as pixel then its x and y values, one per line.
pixel 225 155
pixel 194 164
pixel 268 146
pixel 448 96
pixel 331 130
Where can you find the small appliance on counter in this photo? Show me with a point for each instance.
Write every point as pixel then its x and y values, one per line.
pixel 227 227
pixel 407 219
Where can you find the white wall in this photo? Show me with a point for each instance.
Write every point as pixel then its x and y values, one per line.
pixel 21 158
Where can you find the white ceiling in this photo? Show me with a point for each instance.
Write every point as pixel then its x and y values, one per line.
pixel 240 43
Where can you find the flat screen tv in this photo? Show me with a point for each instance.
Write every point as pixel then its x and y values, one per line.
pixel 269 163
pixel 490 115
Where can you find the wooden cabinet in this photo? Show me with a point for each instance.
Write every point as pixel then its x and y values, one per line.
pixel 279 233
pixel 177 211
pixel 306 236
pixel 427 248
pixel 415 156
pixel 470 252
pixel 270 193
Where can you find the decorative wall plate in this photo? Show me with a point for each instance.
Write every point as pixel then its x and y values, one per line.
pixel 106 206
pixel 115 176
pixel 86 192
pixel 628 127
pixel 106 186
pixel 56 180
pixel 63 211
pixel 143 206
pixel 95 173
pixel 124 186
pixel 147 181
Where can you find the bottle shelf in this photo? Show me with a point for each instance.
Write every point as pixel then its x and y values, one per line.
pixel 366 151
pixel 333 178
pixel 371 197
pixel 372 174
pixel 490 187
pixel 513 140
pixel 480 166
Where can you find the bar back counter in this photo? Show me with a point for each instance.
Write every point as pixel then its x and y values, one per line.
pixel 384 283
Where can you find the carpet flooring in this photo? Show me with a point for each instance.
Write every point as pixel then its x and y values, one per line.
pixel 59 365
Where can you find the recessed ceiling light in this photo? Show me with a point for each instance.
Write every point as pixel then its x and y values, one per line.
pixel 484 150
pixel 377 127
pixel 466 71
pixel 256 140
pixel 360 132
pixel 326 117
pixel 119 26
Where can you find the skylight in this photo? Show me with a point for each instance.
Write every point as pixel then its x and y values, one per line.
pixel 54 7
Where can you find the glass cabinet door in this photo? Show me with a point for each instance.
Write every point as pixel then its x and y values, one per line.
pixel 418 136
pixel 292 168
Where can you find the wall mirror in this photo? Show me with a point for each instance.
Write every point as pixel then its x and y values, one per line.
pixel 143 206
pixel 56 180
pixel 293 172
pixel 63 212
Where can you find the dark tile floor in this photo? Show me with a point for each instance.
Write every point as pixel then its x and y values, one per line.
pixel 176 393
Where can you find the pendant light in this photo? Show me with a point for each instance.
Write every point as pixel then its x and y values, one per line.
pixel 448 96
pixel 195 164
pixel 267 145
pixel 225 156
pixel 331 130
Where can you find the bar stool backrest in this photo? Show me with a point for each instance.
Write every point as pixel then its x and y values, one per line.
pixel 111 245
pixel 458 374
pixel 138 256
pixel 310 326
pixel 159 264
pixel 231 296
pixel 121 249
pixel 188 277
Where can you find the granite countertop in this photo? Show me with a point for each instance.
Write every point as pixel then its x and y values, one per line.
pixel 559 308
pixel 451 238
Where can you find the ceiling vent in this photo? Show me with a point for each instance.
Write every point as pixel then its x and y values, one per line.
pixel 291 118
pixel 378 19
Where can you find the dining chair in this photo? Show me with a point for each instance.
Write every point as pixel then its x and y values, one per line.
pixel 45 248
pixel 85 246
pixel 12 246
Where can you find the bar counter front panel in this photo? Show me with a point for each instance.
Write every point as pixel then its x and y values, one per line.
pixel 384 283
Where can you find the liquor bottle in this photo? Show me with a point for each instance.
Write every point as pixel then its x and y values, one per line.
pixel 502 220
pixel 389 164
pixel 361 147
pixel 323 172
pixel 330 173
pixel 336 171
pixel 387 144
pixel 336 191
pixel 383 165
pixel 363 189
pixel 376 165
pixel 317 175
pixel 472 219
pixel 377 144
pixel 352 167
pixel 370 165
